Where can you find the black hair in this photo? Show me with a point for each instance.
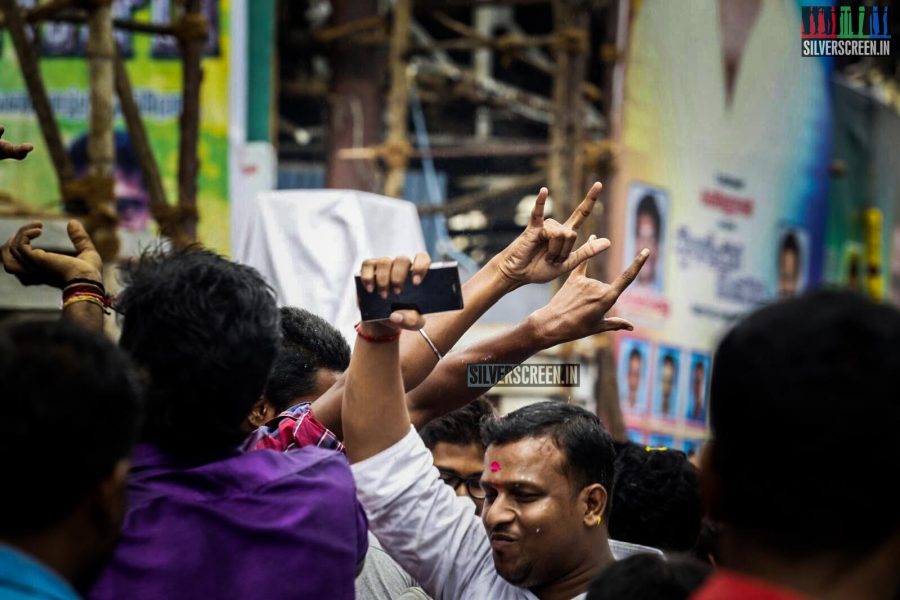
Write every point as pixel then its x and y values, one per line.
pixel 635 353
pixel 69 411
pixel 657 499
pixel 804 415
pixel 302 330
pixel 647 206
pixel 460 427
pixel 790 243
pixel 309 343
pixel 206 331
pixel 649 577
pixel 668 358
pixel 585 443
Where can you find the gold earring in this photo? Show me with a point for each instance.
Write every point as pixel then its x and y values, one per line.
pixel 599 520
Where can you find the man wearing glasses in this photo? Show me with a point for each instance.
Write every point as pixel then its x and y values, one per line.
pixel 455 443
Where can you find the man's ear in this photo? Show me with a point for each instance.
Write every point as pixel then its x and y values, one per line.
pixel 593 502
pixel 261 412
pixel 710 482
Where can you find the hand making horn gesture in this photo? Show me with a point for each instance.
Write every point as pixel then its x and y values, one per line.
pixel 543 251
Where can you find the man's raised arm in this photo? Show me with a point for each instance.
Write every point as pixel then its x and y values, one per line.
pixel 541 253
pixel 577 310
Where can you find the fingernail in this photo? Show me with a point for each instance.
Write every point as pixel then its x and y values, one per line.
pixel 645 252
pixel 370 288
pixel 417 279
pixel 383 294
pixel 592 238
pixel 396 318
pixel 397 291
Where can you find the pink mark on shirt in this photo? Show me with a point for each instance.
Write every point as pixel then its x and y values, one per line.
pixel 495 466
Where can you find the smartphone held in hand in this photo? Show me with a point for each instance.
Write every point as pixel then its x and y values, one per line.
pixel 439 291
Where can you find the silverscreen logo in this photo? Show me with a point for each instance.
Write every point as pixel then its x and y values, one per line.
pixel 486 375
pixel 845 31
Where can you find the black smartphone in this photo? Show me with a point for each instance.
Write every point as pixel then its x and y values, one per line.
pixel 439 291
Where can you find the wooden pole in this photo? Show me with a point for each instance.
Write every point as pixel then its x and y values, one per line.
pixel 102 218
pixel 191 41
pixel 398 100
pixel 355 99
pixel 571 22
pixel 40 101
pixel 140 142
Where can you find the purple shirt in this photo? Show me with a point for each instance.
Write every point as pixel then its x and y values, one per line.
pixel 264 524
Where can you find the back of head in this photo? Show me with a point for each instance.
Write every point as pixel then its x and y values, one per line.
pixel 66 393
pixel 206 331
pixel 804 413
pixel 649 577
pixel 303 330
pixel 460 427
pixel 656 501
pixel 309 344
pixel 585 444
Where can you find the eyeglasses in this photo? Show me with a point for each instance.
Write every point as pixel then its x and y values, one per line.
pixel 473 484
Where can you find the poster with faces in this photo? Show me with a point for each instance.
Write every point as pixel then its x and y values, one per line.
pixel 633 374
pixel 666 384
pixel 645 227
pixel 697 387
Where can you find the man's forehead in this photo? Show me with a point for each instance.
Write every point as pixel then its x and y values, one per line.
pixel 524 459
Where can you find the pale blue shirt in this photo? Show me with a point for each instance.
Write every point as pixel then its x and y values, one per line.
pixel 24 578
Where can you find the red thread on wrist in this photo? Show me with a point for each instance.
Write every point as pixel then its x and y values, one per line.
pixel 376 339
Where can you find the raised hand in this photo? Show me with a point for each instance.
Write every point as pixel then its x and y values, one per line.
pixel 543 251
pixel 14 151
pixel 389 274
pixel 33 266
pixel 579 308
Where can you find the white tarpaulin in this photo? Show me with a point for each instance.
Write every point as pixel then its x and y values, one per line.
pixel 309 244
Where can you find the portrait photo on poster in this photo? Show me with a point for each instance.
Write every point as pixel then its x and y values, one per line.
pixel 791 261
pixel 633 374
pixel 645 227
pixel 697 387
pixel 659 440
pixel 666 384
pixel 635 435
pixel 691 446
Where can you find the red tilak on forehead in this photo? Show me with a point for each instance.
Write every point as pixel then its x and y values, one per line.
pixel 495 466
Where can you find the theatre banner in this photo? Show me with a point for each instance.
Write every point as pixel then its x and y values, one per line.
pixel 725 143
pixel 155 69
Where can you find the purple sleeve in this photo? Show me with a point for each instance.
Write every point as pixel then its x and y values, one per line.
pixel 362 533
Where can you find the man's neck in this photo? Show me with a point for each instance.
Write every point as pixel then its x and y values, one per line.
pixel 827 576
pixel 578 579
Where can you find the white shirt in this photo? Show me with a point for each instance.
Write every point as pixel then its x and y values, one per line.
pixel 430 531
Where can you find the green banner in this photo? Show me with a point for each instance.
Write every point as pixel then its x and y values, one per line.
pixel 155 70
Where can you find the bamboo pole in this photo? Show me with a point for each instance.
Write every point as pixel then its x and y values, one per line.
pixel 398 100
pixel 188 161
pixel 475 199
pixel 40 101
pixel 140 142
pixel 567 129
pixel 102 218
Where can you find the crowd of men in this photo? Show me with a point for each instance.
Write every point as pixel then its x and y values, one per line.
pixel 229 448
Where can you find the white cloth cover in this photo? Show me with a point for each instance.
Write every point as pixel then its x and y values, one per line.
pixel 308 244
